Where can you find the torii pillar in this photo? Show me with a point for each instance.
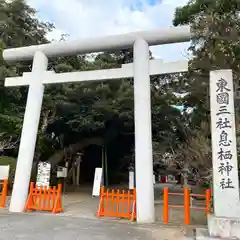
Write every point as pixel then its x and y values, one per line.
pixel 29 134
pixel 143 133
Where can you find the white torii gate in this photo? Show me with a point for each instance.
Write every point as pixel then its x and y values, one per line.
pixel 141 69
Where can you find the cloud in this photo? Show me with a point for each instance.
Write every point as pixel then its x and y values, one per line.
pixel 92 18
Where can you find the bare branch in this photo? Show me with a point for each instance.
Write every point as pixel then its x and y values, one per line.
pixel 8 144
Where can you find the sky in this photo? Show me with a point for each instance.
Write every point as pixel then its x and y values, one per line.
pixel 95 18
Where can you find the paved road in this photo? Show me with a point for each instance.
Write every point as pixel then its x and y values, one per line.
pixel 49 227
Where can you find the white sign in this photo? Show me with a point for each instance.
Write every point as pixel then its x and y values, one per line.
pixel 154 179
pixel 224 151
pixel 131 180
pixel 61 172
pixel 4 172
pixel 43 174
pixel 98 177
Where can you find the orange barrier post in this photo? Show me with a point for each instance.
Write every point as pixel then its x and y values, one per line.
pixel 134 212
pixel 186 206
pixel 117 204
pixel 208 201
pixel 207 197
pixel 44 199
pixel 4 192
pixel 165 205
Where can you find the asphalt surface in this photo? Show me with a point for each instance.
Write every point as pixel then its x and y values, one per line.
pixel 36 226
pixel 46 227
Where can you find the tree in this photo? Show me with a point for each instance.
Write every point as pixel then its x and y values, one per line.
pixel 215 45
pixel 19 27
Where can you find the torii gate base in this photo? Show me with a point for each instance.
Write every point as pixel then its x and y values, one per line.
pixel 142 107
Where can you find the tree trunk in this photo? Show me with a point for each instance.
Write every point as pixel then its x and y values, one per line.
pixel 185 174
pixel 73 149
pixel 74 174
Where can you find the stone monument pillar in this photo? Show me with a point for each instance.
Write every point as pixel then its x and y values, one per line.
pixel 225 221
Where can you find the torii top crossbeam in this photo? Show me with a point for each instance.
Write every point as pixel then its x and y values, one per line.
pixel 153 37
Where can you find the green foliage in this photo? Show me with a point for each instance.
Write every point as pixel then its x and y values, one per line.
pixel 19 27
pixel 215 45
